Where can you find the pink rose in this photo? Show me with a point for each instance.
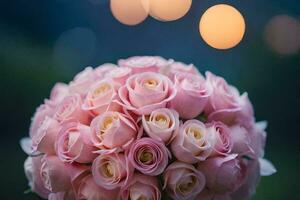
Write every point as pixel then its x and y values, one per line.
pixel 149 156
pixel 89 190
pixel 258 136
pixel 223 174
pixel 193 143
pixel 41 112
pixel 102 97
pixel 119 74
pixel 225 103
pixel 183 181
pixel 32 168
pixel 70 108
pixel 222 141
pixel 161 124
pixel 74 143
pixel 192 95
pixel 141 187
pixel 102 70
pixel 241 140
pixel 59 92
pixel 111 171
pixel 65 195
pixel 82 81
pixel 146 92
pixel 178 67
pixel 252 178
pixel 44 140
pixel 54 174
pixel 140 64
pixel 112 131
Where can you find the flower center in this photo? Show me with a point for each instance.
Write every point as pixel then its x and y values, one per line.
pixel 101 89
pixel 142 198
pixel 107 123
pixel 108 170
pixel 195 132
pixel 188 185
pixel 161 120
pixel 151 83
pixel 146 157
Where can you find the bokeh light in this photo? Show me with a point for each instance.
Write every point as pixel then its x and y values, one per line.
pixel 222 26
pixel 282 34
pixel 169 10
pixel 130 12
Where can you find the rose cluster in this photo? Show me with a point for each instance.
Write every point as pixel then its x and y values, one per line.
pixel 145 129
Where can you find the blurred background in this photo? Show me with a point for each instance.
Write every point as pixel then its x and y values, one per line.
pixel 43 42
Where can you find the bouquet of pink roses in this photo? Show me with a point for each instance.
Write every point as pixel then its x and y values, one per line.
pixel 145 129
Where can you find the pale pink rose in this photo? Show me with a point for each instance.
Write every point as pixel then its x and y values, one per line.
pixel 241 140
pixel 74 143
pixel 89 190
pixel 258 138
pixel 206 194
pixel 112 171
pixel 112 131
pixel 32 167
pixel 102 70
pixel 54 174
pixel 225 103
pixel 149 156
pixel 221 138
pixel 59 92
pixel 102 97
pixel 64 195
pixel 146 92
pixel 248 188
pixel 44 140
pixel 192 95
pixel 161 124
pixel 140 64
pixel 141 187
pixel 119 74
pixel 41 112
pixel 183 181
pixel 70 108
pixel 178 67
pixel 193 143
pixel 223 174
pixel 82 81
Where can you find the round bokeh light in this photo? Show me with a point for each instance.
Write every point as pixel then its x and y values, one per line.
pixel 222 26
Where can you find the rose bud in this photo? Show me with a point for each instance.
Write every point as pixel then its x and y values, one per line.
pixel 111 171
pixel 65 195
pixel 146 92
pixel 162 124
pixel 223 174
pixel 82 81
pixel 102 97
pixel 178 67
pixel 112 131
pixel 44 140
pixel 141 187
pixel 59 92
pixel 74 143
pixel 193 143
pixel 225 103
pixel 119 74
pixel 140 64
pixel 32 168
pixel 70 108
pixel 222 141
pixel 192 95
pixel 183 181
pixel 44 110
pixel 54 174
pixel 149 156
pixel 89 190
